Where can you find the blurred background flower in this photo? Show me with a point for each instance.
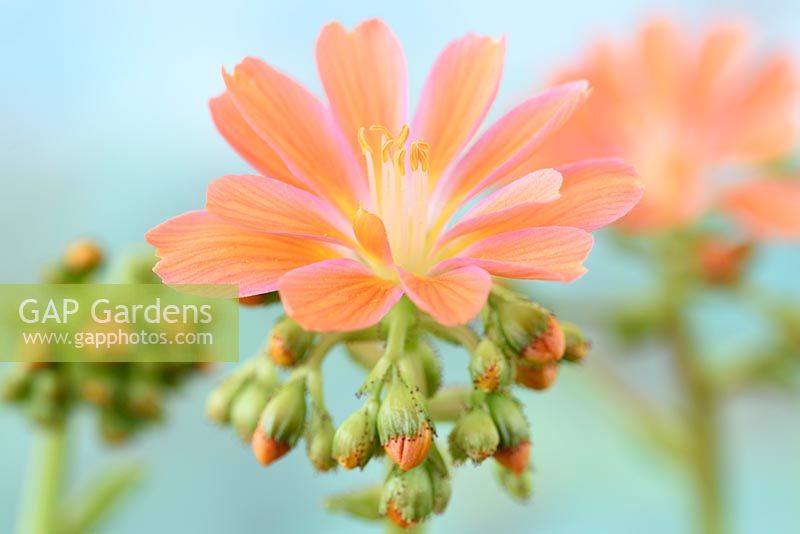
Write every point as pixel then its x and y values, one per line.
pixel 107 132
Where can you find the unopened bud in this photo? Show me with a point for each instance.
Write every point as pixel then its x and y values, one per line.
pixel 82 256
pixel 441 487
pixel 248 395
pixel 508 418
pixel 474 436
pixel 525 328
pixel 16 384
pixel 253 300
pixel 282 422
pixel 407 496
pixel 538 378
pixel 98 387
pixel 404 429
pixel 356 440
pixel 548 346
pixel 319 442
pixel 221 399
pixel 144 398
pixel 577 346
pixel 722 262
pixel 115 429
pixel 488 367
pixel 518 485
pixel 265 448
pixel 288 342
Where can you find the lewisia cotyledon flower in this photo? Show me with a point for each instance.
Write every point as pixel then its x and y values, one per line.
pixel 353 208
pixel 681 110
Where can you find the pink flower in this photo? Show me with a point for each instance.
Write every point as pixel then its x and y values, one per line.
pixel 679 110
pixel 348 214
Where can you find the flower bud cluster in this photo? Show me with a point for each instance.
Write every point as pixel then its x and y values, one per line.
pixel 127 396
pixel 522 344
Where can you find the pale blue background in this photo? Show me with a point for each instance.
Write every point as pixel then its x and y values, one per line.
pixel 105 132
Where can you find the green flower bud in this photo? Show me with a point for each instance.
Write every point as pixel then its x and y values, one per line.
pixel 248 394
pixel 356 440
pixel 115 428
pixel 17 384
pixel 221 399
pixel 514 449
pixel 474 436
pixel 518 485
pixel 577 346
pixel 404 429
pixel 144 398
pixel 319 442
pixel 288 342
pixel 281 423
pixel 364 503
pixel 512 427
pixel 488 367
pixel 284 416
pixel 407 496
pixel 441 487
pixel 246 408
pixel 526 329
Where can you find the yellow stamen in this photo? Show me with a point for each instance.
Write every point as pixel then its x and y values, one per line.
pixel 362 140
pixel 402 137
pixel 400 162
pixel 419 155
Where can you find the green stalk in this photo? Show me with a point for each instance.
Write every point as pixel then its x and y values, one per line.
pixel 702 404
pixel 703 417
pixel 44 483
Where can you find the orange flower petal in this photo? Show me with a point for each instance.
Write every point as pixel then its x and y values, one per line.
pixel 502 153
pixel 337 295
pixel 458 93
pixel 268 205
pixel 247 143
pixel 545 253
pixel 364 75
pixel 508 208
pixel 371 235
pixel 760 122
pixel 200 248
pixel 768 208
pixel 595 193
pixel 299 129
pixel 452 297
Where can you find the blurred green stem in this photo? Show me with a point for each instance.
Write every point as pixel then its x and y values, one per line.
pixel 44 482
pixel 702 412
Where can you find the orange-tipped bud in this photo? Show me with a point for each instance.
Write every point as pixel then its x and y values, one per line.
pixel 722 262
pixel 267 449
pixel 514 458
pixel 488 367
pixel 577 346
pixel 403 426
pixel 253 300
pixel 408 452
pixel 82 256
pixel 537 378
pixel 548 346
pixel 396 517
pixel 288 342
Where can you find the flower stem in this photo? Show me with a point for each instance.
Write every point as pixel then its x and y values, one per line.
pixel 703 418
pixel 44 483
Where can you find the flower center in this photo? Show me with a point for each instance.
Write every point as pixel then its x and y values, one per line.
pixel 399 194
